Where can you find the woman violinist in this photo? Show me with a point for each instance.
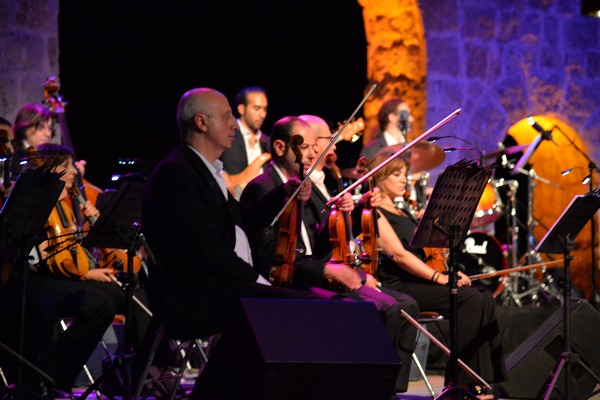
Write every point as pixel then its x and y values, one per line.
pixel 62 255
pixel 404 269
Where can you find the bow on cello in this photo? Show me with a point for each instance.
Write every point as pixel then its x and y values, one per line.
pixel 64 254
pixel 116 259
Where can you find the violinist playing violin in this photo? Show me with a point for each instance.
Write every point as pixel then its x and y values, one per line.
pixel 404 269
pixel 314 269
pixel 62 255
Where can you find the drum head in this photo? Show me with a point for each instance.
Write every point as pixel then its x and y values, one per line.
pixel 480 254
pixel 489 208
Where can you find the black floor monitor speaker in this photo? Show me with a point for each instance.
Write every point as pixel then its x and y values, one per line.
pixel 297 349
pixel 531 364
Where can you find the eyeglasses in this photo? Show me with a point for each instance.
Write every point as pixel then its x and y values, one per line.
pixel 328 138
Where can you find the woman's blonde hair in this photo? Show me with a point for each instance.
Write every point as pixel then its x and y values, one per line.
pixel 394 165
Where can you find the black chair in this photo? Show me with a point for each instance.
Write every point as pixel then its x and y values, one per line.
pixel 168 380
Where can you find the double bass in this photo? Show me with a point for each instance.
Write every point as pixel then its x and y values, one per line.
pixel 82 190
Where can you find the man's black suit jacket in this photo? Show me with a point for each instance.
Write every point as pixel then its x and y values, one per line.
pixel 373 147
pixel 261 200
pixel 235 159
pixel 190 228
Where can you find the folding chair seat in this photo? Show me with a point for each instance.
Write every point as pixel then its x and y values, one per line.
pixel 427 318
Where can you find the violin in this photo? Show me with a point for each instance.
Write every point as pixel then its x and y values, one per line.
pixel 370 230
pixel 290 224
pixel 340 225
pixel 436 258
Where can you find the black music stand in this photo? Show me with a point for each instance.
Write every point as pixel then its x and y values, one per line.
pixel 22 220
pixel 116 228
pixel 560 239
pixel 445 224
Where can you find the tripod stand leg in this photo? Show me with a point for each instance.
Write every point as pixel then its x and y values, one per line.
pixel 446 351
pixel 555 375
pixel 572 359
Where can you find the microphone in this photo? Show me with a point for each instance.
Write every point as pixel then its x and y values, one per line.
pixel 403 123
pixel 544 135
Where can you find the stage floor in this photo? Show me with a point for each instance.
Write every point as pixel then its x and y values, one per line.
pixel 517 326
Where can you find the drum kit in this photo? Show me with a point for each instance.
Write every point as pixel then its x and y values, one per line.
pixel 482 253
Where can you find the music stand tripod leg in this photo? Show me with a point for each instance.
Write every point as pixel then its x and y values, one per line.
pixel 447 219
pixel 115 228
pixel 567 358
pixel 454 391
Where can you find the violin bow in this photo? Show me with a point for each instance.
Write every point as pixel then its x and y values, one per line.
pixel 323 155
pixel 403 150
pixel 547 264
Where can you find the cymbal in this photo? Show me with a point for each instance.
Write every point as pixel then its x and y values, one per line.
pixel 351 173
pixel 423 155
pixel 509 151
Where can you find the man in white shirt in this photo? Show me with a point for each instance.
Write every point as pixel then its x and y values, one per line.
pixel 250 148
pixel 395 122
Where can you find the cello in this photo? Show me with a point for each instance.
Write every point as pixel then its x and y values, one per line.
pixel 57 107
pixel 104 257
pixel 290 225
pixel 65 255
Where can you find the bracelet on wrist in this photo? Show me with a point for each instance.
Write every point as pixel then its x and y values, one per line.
pixel 434 276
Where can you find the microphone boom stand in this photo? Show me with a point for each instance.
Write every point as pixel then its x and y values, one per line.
pixel 592 168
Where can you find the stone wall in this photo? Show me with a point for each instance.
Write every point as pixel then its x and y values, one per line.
pixel 28 51
pixel 500 61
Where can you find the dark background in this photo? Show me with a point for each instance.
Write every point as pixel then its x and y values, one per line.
pixel 124 67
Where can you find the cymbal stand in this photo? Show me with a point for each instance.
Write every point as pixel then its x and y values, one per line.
pixel 544 288
pixel 527 279
pixel 513 233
